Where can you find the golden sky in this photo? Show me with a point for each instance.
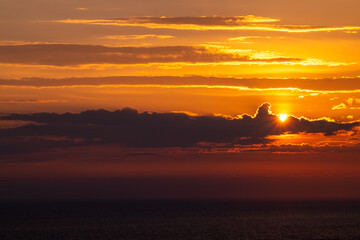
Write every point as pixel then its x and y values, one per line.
pixel 293 44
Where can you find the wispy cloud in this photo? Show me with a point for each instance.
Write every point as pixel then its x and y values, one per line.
pixel 137 37
pixel 31 100
pixel 243 38
pixel 201 21
pixel 251 23
pixel 303 86
pixel 350 103
pixel 82 9
pixel 194 86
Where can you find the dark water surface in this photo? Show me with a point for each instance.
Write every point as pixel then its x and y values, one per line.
pixel 175 219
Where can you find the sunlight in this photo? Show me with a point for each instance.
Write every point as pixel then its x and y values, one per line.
pixel 283 117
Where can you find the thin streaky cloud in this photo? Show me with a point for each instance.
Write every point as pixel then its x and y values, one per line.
pixel 239 88
pixel 137 37
pixel 32 101
pixel 76 54
pixel 320 85
pixel 178 65
pixel 243 38
pixel 207 23
pixel 202 20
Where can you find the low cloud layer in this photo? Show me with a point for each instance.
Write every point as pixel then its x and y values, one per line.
pixel 129 128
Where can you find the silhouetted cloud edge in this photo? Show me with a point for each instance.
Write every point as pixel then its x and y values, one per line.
pixel 129 128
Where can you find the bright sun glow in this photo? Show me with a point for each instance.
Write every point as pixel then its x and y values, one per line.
pixel 283 117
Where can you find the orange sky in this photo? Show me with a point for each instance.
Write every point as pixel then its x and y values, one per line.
pixel 234 39
pixel 200 58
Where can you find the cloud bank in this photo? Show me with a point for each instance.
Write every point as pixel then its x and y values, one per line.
pixel 129 128
pixel 72 54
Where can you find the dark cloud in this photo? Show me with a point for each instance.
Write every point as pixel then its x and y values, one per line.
pixel 296 148
pixel 71 54
pixel 201 21
pixel 20 144
pixel 130 128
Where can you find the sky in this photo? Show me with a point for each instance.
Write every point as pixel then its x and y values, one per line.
pixel 180 99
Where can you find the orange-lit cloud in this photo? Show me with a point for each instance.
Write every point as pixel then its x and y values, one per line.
pixel 242 38
pixel 340 106
pixel 195 86
pixel 70 54
pixel 137 37
pixel 324 85
pixel 185 21
pixel 250 23
pixel 350 103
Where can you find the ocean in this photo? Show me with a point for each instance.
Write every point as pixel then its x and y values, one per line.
pixel 180 219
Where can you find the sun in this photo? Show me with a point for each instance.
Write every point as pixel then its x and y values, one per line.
pixel 283 117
